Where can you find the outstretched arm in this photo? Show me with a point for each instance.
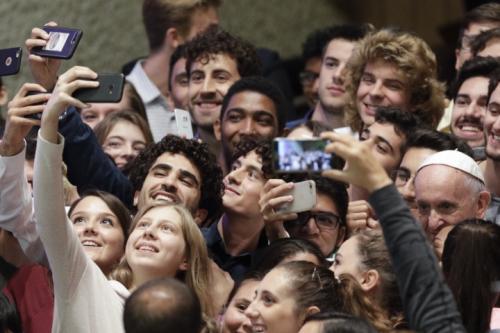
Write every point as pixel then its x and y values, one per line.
pixel 428 302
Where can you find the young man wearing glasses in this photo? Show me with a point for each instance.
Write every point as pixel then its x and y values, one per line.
pixel 324 224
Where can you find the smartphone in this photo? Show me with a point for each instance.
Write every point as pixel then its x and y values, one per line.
pixel 304 198
pixel 62 43
pixel 10 61
pixel 183 122
pixel 291 156
pixel 110 90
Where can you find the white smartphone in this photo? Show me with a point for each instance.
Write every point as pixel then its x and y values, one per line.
pixel 304 198
pixel 183 122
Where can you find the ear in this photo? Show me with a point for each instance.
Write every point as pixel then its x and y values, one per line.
pixel 136 198
pixel 184 265
pixel 482 203
pixel 312 310
pixel 200 216
pixel 4 96
pixel 369 280
pixel 217 130
pixel 172 39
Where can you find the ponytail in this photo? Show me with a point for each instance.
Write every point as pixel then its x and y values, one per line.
pixel 358 303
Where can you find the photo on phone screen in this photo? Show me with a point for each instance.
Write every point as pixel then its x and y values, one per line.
pixel 61 44
pixel 10 61
pixel 301 156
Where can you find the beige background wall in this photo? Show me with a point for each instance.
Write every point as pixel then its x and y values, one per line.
pixel 113 32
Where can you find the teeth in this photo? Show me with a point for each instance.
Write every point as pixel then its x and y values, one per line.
pixel 496 137
pixel 147 248
pixel 164 198
pixel 90 243
pixel 258 329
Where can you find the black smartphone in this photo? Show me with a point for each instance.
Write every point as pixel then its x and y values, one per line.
pixel 309 156
pixel 110 90
pixel 62 43
pixel 10 61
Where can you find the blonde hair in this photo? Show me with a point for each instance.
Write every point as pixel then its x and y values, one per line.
pixel 414 58
pixel 198 276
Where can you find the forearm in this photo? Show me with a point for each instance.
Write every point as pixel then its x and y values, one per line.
pixel 88 165
pixel 428 302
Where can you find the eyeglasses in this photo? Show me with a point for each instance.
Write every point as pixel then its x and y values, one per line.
pixel 401 177
pixel 308 78
pixel 323 220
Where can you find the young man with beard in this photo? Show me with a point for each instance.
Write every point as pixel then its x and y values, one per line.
pixel 252 107
pixel 233 240
pixel 491 167
pixel 214 61
pixel 470 94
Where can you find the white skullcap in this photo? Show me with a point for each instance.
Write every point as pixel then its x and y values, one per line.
pixel 456 160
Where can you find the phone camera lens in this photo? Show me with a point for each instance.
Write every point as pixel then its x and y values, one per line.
pixel 8 61
pixel 110 89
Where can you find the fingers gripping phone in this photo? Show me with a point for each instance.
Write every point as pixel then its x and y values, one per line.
pixel 62 43
pixel 292 156
pixel 110 90
pixel 304 198
pixel 10 61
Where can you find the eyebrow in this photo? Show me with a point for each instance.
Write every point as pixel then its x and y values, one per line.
pixel 379 138
pixel 184 173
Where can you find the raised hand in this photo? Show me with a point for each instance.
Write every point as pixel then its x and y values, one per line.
pixel 18 125
pixel 44 70
pixel 75 78
pixel 362 168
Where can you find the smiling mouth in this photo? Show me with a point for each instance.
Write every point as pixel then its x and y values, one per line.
pixel 147 248
pixel 258 329
pixel 472 127
pixel 166 197
pixel 90 243
pixel 230 189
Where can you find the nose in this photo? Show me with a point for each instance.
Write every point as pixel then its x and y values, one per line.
pixel 170 182
pixel 251 312
pixel 376 90
pixel 234 177
pixel 208 86
pixel 408 191
pixel 311 228
pixel 338 75
pixel 90 228
pixel 128 152
pixel 435 222
pixel 248 127
pixel 474 110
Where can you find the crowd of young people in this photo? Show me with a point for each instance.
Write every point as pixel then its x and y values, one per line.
pixel 116 223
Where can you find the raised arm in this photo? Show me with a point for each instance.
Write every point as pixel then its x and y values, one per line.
pixel 428 302
pixel 66 256
pixel 16 206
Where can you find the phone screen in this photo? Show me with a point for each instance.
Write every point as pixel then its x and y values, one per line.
pixel 301 156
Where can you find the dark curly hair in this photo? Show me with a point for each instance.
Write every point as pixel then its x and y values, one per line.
pixel 217 41
pixel 196 152
pixel 262 147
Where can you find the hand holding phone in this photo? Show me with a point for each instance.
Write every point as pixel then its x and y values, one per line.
pixel 61 42
pixel 304 198
pixel 10 61
pixel 110 90
pixel 297 156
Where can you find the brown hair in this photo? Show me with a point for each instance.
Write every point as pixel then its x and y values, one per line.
pixel 414 58
pixel 134 100
pixel 103 129
pixel 198 275
pixel 317 286
pixel 113 203
pixel 160 15
pixel 375 255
